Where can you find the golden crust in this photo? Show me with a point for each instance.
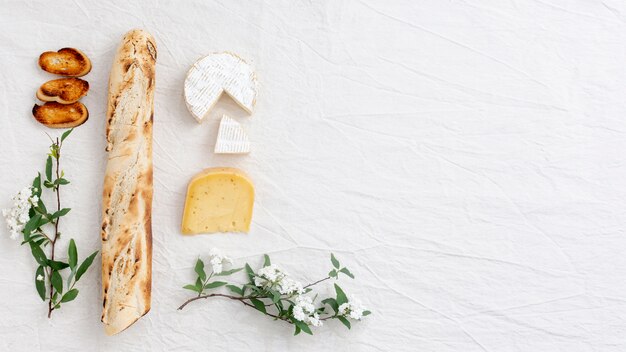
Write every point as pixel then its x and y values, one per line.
pixel 66 62
pixel 56 115
pixel 63 90
pixel 127 192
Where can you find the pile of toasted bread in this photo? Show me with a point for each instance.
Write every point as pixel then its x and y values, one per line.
pixel 62 108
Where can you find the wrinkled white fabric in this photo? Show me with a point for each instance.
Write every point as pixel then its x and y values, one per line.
pixel 464 159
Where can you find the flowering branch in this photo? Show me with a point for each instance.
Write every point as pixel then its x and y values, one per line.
pixel 286 298
pixel 29 215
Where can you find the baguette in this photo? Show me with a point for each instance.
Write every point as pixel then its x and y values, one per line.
pixel 127 192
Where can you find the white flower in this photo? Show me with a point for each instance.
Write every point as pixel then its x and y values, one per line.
pixel 353 309
pixel 17 216
pixel 268 276
pixel 271 273
pixel 218 260
pixel 39 278
pixel 288 286
pixel 304 311
pixel 273 276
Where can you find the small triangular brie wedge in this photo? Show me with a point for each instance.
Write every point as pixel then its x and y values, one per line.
pixel 215 74
pixel 231 138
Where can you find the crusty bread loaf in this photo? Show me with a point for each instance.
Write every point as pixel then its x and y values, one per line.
pixel 66 62
pixel 63 90
pixel 127 193
pixel 57 115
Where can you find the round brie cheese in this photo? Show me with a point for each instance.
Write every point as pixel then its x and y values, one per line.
pixel 214 75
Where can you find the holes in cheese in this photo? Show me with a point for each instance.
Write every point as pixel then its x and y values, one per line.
pixel 218 200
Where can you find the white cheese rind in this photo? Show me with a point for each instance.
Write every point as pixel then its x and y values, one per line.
pixel 215 74
pixel 231 138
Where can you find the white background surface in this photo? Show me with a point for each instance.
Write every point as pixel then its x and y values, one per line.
pixel 464 158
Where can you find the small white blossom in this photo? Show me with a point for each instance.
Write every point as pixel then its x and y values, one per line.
pixel 17 216
pixel 353 309
pixel 273 276
pixel 288 286
pixel 304 311
pixel 269 276
pixel 39 277
pixel 270 273
pixel 218 260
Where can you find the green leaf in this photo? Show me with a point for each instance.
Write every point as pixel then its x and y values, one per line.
pixel 36 238
pixel 54 151
pixel 215 284
pixel 72 253
pixel 366 313
pixel 61 181
pixel 229 272
pixel 69 295
pixel 341 296
pixel 347 272
pixel 199 269
pixel 65 134
pixel 192 288
pixel 28 238
pixel 48 184
pixel 279 305
pixel 57 281
pixel 344 321
pixel 56 265
pixel 58 214
pixel 332 303
pixel 333 273
pixel 303 326
pixel 70 277
pixel 266 260
pixel 235 289
pixel 334 261
pixel 37 185
pixel 38 254
pixel 41 284
pixel 49 168
pixel 32 224
pixel 250 273
pixel 275 296
pixel 41 207
pixel 84 266
pixel 260 306
pixel 40 241
pixel 297 330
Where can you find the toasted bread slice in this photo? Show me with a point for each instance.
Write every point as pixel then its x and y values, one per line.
pixel 63 90
pixel 66 62
pixel 57 115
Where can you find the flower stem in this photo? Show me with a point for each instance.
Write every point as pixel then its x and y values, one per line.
pixel 234 298
pixel 244 298
pixel 317 282
pixel 56 226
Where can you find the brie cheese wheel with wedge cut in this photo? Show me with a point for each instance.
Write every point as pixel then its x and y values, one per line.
pixel 231 138
pixel 214 75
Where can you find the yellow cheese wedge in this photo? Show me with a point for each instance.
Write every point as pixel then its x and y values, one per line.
pixel 218 200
